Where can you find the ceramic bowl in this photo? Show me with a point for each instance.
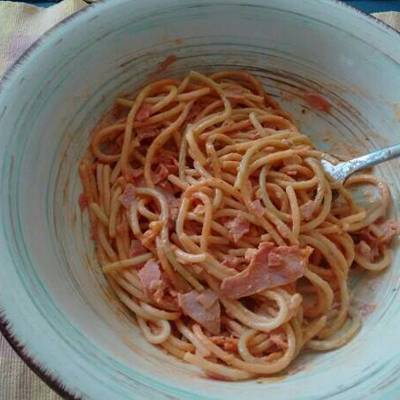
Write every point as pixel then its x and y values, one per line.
pixel 55 306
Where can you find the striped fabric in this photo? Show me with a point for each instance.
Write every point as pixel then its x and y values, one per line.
pixel 17 381
pixel 20 25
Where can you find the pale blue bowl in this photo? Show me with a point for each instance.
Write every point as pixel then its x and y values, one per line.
pixel 54 304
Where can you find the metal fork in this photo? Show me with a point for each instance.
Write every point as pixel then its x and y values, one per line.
pixel 343 170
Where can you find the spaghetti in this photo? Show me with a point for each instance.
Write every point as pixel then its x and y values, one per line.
pixel 216 226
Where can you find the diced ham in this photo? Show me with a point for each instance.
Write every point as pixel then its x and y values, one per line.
pixel 156 285
pixel 365 250
pixel 128 196
pixel 199 209
pixel 136 248
pixel 366 309
pixel 147 133
pixel 192 305
pixel 250 254
pixel 238 227
pixel 167 164
pixel 232 261
pixel 207 298
pixel 83 201
pixel 371 245
pixel 388 230
pixel 150 276
pixel 144 112
pixel 169 159
pixel 257 207
pixel 307 209
pixel 161 173
pixel 279 341
pixel 167 185
pixel 270 267
pixel 366 235
pixel 135 176
pixel 174 204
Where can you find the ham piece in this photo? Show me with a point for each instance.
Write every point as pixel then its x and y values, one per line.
pixel 144 112
pixel 166 165
pixel 388 229
pixel 238 227
pixel 232 261
pixel 257 208
pixel 136 248
pixel 307 209
pixel 156 285
pixel 370 245
pixel 174 204
pixel 150 276
pixel 203 307
pixel 270 266
pixel 128 196
pixel 365 250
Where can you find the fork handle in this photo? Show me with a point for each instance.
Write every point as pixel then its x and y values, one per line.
pixel 371 159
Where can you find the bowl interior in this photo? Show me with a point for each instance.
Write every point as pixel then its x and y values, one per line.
pixel 51 289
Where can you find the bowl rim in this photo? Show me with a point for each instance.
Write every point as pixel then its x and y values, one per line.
pixel 5 326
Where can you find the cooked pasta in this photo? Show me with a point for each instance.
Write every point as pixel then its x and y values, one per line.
pixel 215 224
